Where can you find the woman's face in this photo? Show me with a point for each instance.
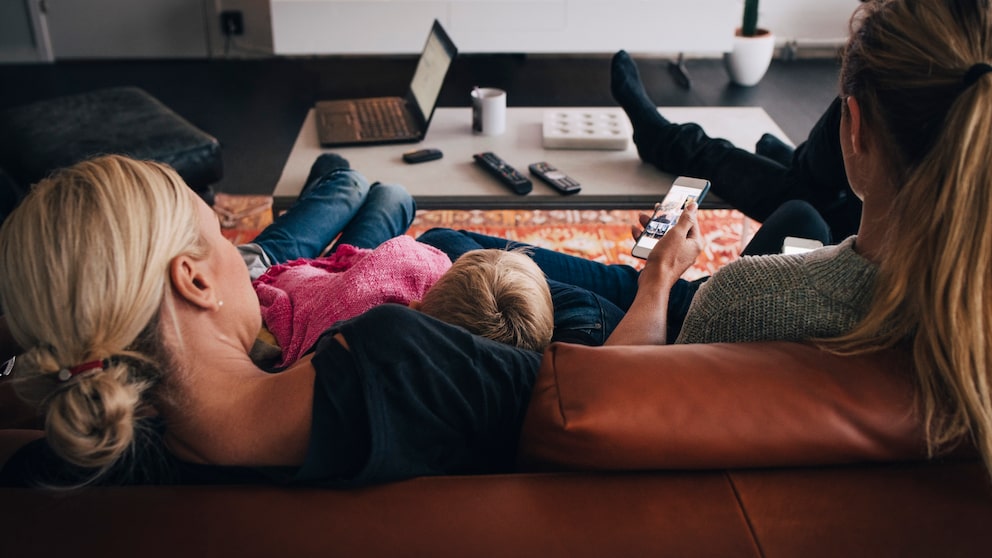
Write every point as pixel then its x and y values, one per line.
pixel 233 284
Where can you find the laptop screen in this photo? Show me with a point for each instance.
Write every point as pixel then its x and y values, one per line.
pixel 431 70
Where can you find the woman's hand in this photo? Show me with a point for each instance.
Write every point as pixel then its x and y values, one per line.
pixel 646 319
pixel 674 253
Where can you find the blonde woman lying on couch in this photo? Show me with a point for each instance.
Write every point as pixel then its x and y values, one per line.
pixel 137 322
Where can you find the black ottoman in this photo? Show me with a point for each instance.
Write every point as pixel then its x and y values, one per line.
pixel 37 138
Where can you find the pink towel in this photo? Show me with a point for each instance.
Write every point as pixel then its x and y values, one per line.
pixel 302 298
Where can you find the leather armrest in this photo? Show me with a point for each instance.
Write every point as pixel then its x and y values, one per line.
pixel 47 134
pixel 718 406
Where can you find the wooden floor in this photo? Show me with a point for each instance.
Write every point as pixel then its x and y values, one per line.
pixel 255 107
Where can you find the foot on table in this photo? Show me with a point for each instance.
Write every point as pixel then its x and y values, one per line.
pixel 629 92
pixel 325 164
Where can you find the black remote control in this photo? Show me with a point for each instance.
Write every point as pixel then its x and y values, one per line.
pixel 504 172
pixel 555 178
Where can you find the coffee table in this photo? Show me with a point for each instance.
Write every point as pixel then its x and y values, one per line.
pixel 610 179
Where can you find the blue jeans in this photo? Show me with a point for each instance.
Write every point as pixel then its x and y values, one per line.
pixel 590 298
pixel 339 202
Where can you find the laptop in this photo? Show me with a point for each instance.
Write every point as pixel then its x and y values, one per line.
pixel 378 120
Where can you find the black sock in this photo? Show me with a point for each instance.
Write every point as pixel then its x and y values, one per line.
pixel 628 91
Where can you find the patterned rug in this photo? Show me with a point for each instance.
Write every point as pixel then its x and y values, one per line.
pixel 600 235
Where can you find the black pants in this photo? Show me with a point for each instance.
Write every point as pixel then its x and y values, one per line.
pixel 757 185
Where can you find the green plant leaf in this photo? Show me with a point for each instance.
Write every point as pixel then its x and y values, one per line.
pixel 749 27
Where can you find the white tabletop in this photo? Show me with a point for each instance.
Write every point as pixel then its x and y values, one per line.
pixel 610 179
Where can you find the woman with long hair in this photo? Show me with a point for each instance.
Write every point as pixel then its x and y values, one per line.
pixel 136 316
pixel 916 91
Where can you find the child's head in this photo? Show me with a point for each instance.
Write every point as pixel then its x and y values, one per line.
pixel 498 294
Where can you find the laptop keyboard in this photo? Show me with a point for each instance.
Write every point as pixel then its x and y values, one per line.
pixel 382 119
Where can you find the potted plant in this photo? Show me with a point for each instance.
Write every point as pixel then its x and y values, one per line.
pixel 752 51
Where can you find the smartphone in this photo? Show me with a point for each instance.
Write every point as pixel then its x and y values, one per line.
pixel 796 245
pixel 667 213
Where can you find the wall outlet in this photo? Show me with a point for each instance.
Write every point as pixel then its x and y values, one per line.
pixel 232 22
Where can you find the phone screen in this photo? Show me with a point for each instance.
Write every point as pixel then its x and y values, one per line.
pixel 667 213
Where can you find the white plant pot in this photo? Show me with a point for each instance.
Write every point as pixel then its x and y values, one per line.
pixel 749 60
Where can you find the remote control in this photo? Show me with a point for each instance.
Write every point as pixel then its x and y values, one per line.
pixel 422 155
pixel 555 178
pixel 504 172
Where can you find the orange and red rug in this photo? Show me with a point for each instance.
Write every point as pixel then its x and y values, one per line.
pixel 600 235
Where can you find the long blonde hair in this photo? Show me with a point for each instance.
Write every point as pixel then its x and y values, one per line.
pixel 915 68
pixel 83 276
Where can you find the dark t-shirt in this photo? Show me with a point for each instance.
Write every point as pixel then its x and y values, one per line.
pixel 411 396
pixel 414 396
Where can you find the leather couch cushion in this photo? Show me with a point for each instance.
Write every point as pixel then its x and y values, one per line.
pixel 718 406
pixel 40 137
pixel 918 509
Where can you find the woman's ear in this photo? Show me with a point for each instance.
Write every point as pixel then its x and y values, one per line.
pixel 191 284
pixel 856 130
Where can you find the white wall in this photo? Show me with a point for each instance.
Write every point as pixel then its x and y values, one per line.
pixel 696 27
pixel 808 22
pixel 400 26
pixel 129 29
pixel 191 28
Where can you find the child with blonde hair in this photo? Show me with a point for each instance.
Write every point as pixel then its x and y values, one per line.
pixel 499 294
pixel 492 293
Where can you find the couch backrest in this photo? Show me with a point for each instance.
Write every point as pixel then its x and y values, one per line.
pixel 718 406
pixel 694 406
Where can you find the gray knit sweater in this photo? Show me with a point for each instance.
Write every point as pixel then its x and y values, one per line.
pixel 822 293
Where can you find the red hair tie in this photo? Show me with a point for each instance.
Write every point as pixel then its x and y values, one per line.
pixel 67 374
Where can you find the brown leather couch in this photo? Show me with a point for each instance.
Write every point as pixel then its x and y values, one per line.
pixel 766 449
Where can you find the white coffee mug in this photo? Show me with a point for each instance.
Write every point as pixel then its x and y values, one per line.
pixel 488 111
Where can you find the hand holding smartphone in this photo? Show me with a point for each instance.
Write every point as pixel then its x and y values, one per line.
pixel 667 213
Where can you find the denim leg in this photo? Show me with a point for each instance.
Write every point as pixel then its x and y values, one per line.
pixel 387 212
pixel 316 218
pixel 615 282
pixel 582 317
pixel 453 243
